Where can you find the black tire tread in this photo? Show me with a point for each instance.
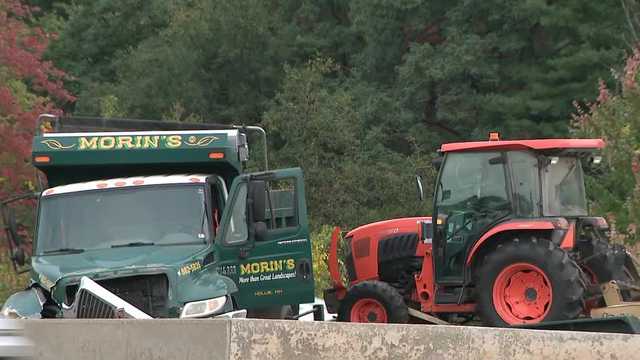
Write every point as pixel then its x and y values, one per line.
pixel 393 302
pixel 565 275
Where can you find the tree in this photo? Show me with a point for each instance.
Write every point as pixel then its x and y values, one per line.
pixel 96 35
pixel 29 86
pixel 615 116
pixel 463 68
pixel 316 122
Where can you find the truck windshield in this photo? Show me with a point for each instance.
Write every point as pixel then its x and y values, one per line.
pixel 563 187
pixel 147 215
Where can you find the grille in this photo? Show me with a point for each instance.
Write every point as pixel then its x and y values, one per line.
pixel 92 307
pixel 148 293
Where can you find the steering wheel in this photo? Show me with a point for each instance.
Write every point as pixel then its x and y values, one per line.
pixel 466 218
pixel 491 203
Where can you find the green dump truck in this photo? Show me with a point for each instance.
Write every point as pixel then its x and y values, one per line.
pixel 161 220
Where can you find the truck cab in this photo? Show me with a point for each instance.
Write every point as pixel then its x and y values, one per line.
pixel 167 221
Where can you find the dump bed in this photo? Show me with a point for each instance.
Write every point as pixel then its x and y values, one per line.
pixel 68 157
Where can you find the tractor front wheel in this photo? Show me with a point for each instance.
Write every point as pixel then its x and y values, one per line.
pixel 373 302
pixel 527 281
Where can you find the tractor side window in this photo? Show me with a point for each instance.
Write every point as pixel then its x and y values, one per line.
pixel 281 209
pixel 525 177
pixel 238 232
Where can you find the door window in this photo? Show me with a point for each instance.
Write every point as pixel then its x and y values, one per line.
pixel 472 194
pixel 238 232
pixel 281 206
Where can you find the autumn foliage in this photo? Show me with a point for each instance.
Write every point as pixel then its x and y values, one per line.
pixel 615 117
pixel 29 86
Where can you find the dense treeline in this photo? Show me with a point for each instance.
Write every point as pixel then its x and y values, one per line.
pixel 357 92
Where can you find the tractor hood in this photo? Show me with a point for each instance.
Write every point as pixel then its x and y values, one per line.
pixel 388 227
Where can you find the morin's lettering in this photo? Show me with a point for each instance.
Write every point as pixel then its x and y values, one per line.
pixel 129 142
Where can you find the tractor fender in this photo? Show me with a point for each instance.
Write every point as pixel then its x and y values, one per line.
pixel 513 225
pixel 24 304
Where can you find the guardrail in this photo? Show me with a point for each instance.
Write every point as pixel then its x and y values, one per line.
pixel 272 339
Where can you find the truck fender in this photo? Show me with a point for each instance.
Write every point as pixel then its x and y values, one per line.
pixel 514 225
pixel 25 304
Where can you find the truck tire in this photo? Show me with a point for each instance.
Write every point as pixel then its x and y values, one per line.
pixel 274 312
pixel 527 281
pixel 373 302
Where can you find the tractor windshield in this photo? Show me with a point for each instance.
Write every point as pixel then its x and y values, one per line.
pixel 563 187
pixel 146 215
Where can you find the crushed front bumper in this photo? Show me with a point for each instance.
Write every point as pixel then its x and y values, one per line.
pixel 93 301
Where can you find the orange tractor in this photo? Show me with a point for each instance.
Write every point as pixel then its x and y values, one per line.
pixel 511 242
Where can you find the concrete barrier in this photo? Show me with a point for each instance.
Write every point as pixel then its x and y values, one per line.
pixel 269 339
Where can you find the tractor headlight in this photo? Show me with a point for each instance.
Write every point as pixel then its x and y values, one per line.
pixel 203 308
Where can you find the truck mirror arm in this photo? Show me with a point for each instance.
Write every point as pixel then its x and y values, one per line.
pixel 264 137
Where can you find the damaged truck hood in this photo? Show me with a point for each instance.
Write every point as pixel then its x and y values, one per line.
pixel 189 277
pixel 118 261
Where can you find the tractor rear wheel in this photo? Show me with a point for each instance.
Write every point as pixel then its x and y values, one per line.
pixel 527 281
pixel 373 302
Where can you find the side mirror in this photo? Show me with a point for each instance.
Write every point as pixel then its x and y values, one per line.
pixel 426 231
pixel 437 162
pixel 497 160
pixel 260 231
pixel 258 196
pixel 420 187
pixel 19 257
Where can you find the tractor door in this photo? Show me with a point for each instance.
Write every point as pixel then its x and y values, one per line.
pixel 263 243
pixel 471 196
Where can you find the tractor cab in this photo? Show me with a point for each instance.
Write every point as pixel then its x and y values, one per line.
pixel 483 184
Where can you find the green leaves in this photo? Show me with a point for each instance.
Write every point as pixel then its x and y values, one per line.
pixel 317 121
pixel 358 92
pixel 614 190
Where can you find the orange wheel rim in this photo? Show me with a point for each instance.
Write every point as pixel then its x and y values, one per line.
pixel 368 311
pixel 522 294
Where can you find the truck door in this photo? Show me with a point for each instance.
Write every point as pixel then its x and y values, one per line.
pixel 263 243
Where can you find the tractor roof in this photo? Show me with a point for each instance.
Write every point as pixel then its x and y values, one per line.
pixel 536 145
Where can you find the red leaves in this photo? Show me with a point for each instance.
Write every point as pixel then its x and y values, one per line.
pixel 29 86
pixel 631 70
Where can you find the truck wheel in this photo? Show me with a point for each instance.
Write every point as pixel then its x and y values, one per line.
pixel 373 302
pixel 527 281
pixel 274 312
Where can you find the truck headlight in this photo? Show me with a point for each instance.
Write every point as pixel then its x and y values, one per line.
pixel 203 308
pixel 8 313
